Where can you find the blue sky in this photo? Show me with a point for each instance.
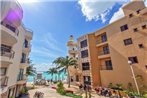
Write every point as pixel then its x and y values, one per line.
pixel 54 21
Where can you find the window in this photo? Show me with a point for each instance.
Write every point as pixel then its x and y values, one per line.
pixel 145 66
pixel 133 59
pixel 144 27
pixel 108 65
pixel 140 45
pixel 25 43
pixel 138 11
pixel 23 59
pixel 106 50
pixel 77 78
pixel 84 53
pixel 87 80
pixel 128 41
pixel 104 38
pixel 3 71
pixel 83 43
pixel 135 29
pixel 85 66
pixel 131 15
pixel 20 75
pixel 124 27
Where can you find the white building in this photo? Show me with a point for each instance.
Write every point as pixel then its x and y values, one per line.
pixel 15 48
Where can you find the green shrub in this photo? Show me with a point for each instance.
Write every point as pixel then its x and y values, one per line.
pixel 73 95
pixel 60 88
pixel 22 91
pixel 26 89
pixel 110 85
pixel 145 95
pixel 77 96
pixel 70 94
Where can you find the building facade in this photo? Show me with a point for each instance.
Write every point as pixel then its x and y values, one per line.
pixel 74 71
pixel 104 54
pixel 15 48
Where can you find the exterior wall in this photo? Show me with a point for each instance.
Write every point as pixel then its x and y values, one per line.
pixel 94 62
pixel 16 40
pixel 119 53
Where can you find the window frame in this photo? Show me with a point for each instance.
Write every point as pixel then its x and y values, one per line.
pixel 124 27
pixel 133 59
pixel 5 71
pixel 128 41
pixel 83 43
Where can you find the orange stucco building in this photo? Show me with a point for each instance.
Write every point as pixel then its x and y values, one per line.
pixel 104 54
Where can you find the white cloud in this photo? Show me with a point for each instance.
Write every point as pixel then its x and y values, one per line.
pixel 51 43
pixel 146 3
pixel 119 14
pixel 97 9
pixel 43 67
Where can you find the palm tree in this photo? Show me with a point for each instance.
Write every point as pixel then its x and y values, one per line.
pixel 52 71
pixel 30 71
pixel 63 63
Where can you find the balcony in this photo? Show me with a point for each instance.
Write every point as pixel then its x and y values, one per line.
pixel 73 51
pixel 29 34
pixel 24 63
pixel 104 67
pixel 101 43
pixel 103 54
pixel 12 12
pixel 3 81
pixel 6 55
pixel 27 48
pixel 21 79
pixel 9 34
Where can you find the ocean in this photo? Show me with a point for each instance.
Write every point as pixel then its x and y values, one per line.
pixel 47 76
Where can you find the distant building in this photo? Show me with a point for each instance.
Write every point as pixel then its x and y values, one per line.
pixel 75 73
pixel 15 48
pixel 39 75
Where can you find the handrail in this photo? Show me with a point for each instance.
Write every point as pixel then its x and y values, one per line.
pixel 104 67
pixel 100 41
pixel 103 53
pixel 6 53
pixel 14 30
pixel 22 77
pixel 3 81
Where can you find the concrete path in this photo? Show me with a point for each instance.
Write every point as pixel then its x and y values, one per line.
pixel 48 93
pixel 51 93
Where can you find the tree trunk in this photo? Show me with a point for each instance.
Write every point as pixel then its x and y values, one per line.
pixel 68 78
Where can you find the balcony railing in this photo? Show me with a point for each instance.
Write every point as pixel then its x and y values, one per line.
pixel 3 81
pixel 21 77
pixel 104 67
pixel 25 61
pixel 103 53
pixel 7 52
pixel 85 68
pixel 87 82
pixel 10 27
pixel 101 41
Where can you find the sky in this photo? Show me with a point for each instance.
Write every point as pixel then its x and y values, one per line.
pixel 53 21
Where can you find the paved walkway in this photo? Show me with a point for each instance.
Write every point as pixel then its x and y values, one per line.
pixel 48 93
pixel 51 93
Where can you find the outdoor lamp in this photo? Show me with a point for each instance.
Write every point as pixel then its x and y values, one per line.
pixel 130 63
